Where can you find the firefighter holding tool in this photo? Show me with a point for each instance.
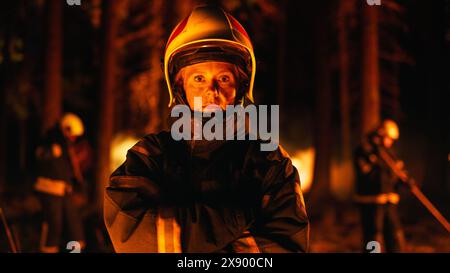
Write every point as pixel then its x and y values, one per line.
pixel 379 174
pixel 376 190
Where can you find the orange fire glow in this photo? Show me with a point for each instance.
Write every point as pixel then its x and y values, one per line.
pixel 303 160
pixel 119 148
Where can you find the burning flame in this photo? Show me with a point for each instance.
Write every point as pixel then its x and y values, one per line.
pixel 303 160
pixel 119 148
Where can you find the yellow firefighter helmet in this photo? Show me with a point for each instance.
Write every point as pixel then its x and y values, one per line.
pixel 390 129
pixel 72 124
pixel 209 34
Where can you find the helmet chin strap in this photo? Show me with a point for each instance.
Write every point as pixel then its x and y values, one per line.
pixel 179 96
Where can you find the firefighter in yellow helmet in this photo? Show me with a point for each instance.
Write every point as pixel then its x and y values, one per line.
pixel 58 172
pixel 389 132
pixel 71 126
pixel 376 189
pixel 206 195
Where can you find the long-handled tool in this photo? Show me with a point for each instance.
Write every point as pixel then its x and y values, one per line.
pixel 11 242
pixel 404 177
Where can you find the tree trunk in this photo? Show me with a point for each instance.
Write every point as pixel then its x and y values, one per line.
pixel 110 23
pixel 281 60
pixel 345 177
pixel 53 65
pixel 156 75
pixel 320 190
pixel 344 82
pixel 370 104
pixel 3 138
pixel 3 121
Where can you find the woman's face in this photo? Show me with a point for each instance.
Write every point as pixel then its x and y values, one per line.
pixel 214 82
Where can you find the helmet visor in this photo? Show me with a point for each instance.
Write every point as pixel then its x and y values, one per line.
pixel 207 53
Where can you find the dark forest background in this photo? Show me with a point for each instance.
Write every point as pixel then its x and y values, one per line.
pixel 336 68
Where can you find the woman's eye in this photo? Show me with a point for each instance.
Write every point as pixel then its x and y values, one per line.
pixel 224 78
pixel 199 78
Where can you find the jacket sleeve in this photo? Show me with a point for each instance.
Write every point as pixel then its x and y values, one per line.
pixel 131 212
pixel 283 224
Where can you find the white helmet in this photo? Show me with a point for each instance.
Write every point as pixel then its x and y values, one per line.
pixel 72 124
pixel 389 128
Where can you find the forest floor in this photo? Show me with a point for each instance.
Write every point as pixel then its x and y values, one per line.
pixel 329 233
pixel 344 236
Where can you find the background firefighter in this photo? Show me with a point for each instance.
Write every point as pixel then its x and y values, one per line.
pixel 58 174
pixel 206 196
pixel 376 190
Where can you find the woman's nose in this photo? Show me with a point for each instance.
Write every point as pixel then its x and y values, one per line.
pixel 213 89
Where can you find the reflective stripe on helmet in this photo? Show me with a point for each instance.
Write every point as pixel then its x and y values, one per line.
pixel 237 25
pixel 178 29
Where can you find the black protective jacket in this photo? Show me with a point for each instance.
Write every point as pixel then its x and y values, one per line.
pixel 205 196
pixel 379 178
pixel 49 165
